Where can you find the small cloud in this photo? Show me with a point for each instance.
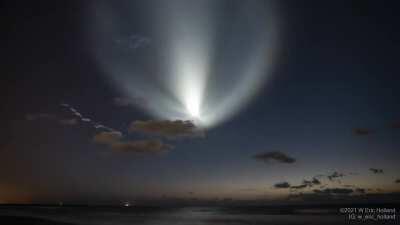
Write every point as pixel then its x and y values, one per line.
pixel 282 185
pixel 362 131
pixel 167 128
pixel 107 137
pixel 274 156
pixel 99 126
pixel 376 171
pixel 142 146
pixel 75 112
pixel 86 119
pixel 72 110
pixel 70 122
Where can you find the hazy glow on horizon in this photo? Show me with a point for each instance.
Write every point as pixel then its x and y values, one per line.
pixel 206 60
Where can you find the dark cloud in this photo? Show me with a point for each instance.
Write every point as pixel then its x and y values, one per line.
pixel 301 186
pixel 335 175
pixel 282 185
pixel 334 191
pixel 306 183
pixel 167 128
pixel 107 137
pixel 315 181
pixel 310 183
pixel 142 146
pixel 324 194
pixel 355 188
pixel 344 195
pixel 362 131
pixel 274 156
pixel 360 190
pixel 376 171
pixel 397 181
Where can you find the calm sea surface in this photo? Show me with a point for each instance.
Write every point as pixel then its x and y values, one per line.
pixel 181 216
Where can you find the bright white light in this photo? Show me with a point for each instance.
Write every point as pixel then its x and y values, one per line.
pixel 206 60
pixel 193 106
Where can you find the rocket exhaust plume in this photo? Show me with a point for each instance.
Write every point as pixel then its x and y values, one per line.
pixel 184 57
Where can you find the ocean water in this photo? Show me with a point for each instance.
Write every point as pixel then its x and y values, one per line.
pixel 181 216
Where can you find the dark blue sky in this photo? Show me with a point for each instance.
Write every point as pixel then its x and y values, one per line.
pixel 336 72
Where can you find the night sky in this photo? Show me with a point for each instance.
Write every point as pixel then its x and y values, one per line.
pixel 323 122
